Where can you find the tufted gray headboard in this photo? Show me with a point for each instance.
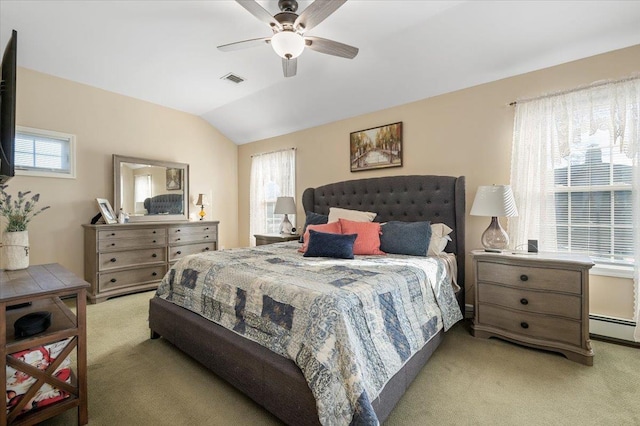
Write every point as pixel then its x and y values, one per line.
pixel 438 199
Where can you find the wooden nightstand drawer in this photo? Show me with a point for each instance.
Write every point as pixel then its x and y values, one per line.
pixel 527 324
pixel 178 252
pixel 563 280
pixel 531 301
pixel 113 280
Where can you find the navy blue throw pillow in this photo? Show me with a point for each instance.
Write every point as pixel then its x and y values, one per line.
pixel 324 244
pixel 313 219
pixel 410 238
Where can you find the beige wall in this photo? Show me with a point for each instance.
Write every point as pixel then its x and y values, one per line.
pixel 106 123
pixel 468 133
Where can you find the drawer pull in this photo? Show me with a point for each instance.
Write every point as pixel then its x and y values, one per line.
pixel 206 236
pixel 523 277
pixel 206 229
pixel 177 239
pixel 154 274
pixel 113 234
pixel 113 280
pixel 154 232
pixel 179 252
pixel 524 325
pixel 113 244
pixel 524 301
pixel 177 230
pixel 113 259
pixel 154 255
pixel 206 249
pixel 154 241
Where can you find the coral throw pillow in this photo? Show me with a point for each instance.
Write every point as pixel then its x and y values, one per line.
pixel 330 228
pixel 368 241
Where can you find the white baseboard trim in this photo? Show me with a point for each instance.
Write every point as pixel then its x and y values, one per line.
pixel 611 327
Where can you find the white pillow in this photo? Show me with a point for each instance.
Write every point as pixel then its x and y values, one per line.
pixel 336 213
pixel 439 238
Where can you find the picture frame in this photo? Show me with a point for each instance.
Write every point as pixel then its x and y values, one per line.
pixel 174 179
pixel 107 212
pixel 376 148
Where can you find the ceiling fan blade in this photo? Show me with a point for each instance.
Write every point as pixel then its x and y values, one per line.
pixel 289 66
pixel 331 47
pixel 259 12
pixel 315 13
pixel 245 44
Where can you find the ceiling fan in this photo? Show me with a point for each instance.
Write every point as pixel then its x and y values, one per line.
pixel 288 39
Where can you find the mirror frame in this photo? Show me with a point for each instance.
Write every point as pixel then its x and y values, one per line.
pixel 117 190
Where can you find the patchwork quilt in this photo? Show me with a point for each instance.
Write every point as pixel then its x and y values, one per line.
pixel 349 325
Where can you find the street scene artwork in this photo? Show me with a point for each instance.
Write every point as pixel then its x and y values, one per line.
pixel 376 148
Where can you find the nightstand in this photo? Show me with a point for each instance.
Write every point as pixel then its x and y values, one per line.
pixel 535 299
pixel 262 239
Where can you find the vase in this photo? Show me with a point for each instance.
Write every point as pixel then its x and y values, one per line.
pixel 15 250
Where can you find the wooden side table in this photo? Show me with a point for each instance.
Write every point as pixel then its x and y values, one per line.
pixel 43 286
pixel 539 300
pixel 262 239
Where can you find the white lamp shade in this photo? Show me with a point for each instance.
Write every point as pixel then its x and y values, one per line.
pixel 287 44
pixel 494 200
pixel 285 205
pixel 203 200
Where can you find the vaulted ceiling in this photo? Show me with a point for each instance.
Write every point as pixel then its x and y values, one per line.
pixel 165 52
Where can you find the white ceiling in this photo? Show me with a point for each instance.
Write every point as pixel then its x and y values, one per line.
pixel 165 52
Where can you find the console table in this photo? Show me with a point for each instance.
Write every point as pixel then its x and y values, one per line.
pixel 42 286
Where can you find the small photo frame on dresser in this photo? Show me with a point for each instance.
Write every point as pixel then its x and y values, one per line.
pixel 106 210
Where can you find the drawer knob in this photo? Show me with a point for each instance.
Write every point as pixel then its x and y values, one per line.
pixel 524 325
pixel 154 255
pixel 206 249
pixel 113 259
pixel 113 244
pixel 177 230
pixel 523 277
pixel 179 252
pixel 524 301
pixel 154 274
pixel 154 232
pixel 113 280
pixel 206 229
pixel 113 234
pixel 177 239
pixel 206 236
pixel 154 241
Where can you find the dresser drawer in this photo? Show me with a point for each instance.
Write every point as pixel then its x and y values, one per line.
pixel 194 229
pixel 125 243
pixel 531 301
pixel 118 279
pixel 178 252
pixel 123 258
pixel 129 233
pixel 191 237
pixel 533 325
pixel 530 277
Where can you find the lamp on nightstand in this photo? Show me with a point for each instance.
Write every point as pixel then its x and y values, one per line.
pixel 285 206
pixel 494 201
pixel 202 201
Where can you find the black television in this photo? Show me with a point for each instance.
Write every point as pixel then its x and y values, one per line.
pixel 8 109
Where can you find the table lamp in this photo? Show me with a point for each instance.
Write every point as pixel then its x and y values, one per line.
pixel 202 201
pixel 494 201
pixel 285 206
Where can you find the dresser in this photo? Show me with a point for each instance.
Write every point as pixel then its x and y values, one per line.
pixel 131 257
pixel 262 239
pixel 539 300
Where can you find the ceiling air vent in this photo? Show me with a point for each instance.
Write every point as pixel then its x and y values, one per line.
pixel 233 78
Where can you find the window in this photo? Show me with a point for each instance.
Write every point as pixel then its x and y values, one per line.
pixel 593 208
pixel 44 153
pixel 272 176
pixel 575 171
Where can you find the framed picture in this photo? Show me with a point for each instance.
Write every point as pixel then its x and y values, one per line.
pixel 376 148
pixel 107 211
pixel 174 178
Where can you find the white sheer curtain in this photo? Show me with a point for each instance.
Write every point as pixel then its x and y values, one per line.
pixel 556 131
pixel 273 175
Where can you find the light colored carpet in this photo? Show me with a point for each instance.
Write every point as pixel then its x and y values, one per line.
pixel 137 381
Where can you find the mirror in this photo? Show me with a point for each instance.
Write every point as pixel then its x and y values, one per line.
pixel 150 190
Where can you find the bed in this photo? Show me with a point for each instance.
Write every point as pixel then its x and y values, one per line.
pixel 271 379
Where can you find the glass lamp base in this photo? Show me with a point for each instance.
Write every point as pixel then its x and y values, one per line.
pixel 202 213
pixel 286 226
pixel 494 238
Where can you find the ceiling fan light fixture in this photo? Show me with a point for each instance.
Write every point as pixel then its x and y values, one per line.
pixel 288 44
